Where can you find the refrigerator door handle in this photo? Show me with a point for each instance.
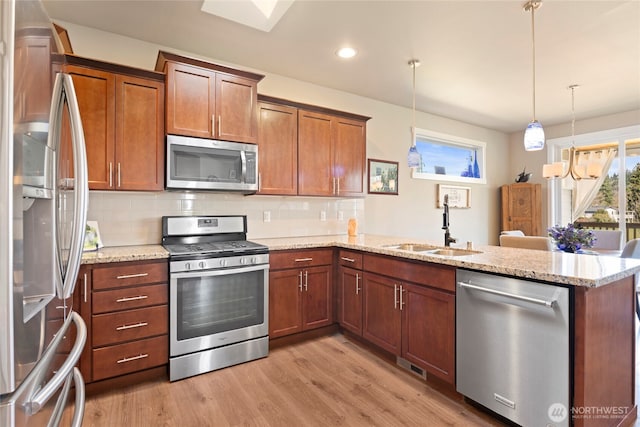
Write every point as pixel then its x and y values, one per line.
pixel 42 396
pixel 64 90
pixel 78 412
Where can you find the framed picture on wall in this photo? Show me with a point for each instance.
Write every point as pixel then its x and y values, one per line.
pixel 383 177
pixel 459 197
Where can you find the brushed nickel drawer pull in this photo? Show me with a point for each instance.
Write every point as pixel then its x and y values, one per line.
pixel 131 359
pixel 130 276
pixel 135 325
pixel 344 258
pixel 127 299
pixel 303 259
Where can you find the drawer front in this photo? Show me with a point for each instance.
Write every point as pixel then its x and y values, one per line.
pixel 350 259
pixel 129 325
pixel 279 260
pixel 130 298
pixel 131 357
pixel 433 275
pixel 129 274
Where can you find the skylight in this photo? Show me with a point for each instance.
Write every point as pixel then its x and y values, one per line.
pixel 259 14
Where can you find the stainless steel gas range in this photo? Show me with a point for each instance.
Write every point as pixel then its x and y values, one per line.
pixel 219 294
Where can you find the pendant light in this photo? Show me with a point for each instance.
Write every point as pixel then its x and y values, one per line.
pixel 413 158
pixel 592 170
pixel 534 134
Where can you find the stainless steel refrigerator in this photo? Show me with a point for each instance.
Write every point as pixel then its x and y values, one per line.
pixel 43 208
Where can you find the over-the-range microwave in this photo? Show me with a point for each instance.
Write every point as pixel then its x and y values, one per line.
pixel 207 164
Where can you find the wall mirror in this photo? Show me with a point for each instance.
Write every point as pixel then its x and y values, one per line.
pixel 449 158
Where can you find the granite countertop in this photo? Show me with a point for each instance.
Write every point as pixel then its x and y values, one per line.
pixel 554 267
pixel 548 266
pixel 124 253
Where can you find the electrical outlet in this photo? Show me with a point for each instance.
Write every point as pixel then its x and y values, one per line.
pixel 340 216
pixel 266 216
pixel 323 215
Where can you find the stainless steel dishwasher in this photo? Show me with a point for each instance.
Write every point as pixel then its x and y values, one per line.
pixel 512 347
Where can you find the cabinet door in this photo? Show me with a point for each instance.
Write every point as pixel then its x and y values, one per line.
pixel 139 134
pixel 382 320
pixel 236 109
pixel 315 157
pixel 349 157
pixel 521 208
pixel 285 309
pixel 428 330
pixel 190 100
pixel 32 71
pixel 95 91
pixel 351 300
pixel 317 310
pixel 278 149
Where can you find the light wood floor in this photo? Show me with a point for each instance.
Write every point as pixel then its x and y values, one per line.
pixel 329 381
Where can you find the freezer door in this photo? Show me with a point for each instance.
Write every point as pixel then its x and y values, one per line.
pixel 41 399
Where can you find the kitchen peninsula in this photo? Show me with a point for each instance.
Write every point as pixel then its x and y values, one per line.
pixel 602 316
pixel 602 308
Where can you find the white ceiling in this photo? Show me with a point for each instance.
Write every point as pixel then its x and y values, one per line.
pixel 476 55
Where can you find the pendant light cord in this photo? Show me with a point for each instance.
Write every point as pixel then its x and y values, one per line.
pixel 413 129
pixel 533 54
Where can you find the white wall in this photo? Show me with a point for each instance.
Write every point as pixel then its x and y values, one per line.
pixel 411 214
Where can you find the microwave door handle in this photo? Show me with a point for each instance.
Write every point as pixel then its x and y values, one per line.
pixel 81 188
pixel 243 157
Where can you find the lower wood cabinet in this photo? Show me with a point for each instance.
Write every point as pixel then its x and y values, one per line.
pixel 125 306
pixel 415 321
pixel 350 291
pixel 300 291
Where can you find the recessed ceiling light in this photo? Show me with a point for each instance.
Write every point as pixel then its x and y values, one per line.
pixel 346 52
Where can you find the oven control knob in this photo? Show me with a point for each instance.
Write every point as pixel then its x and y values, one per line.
pixel 187 266
pixel 201 264
pixel 243 261
pixel 254 260
pixel 223 263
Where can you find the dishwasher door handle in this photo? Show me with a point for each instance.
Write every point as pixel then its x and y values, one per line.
pixel 538 301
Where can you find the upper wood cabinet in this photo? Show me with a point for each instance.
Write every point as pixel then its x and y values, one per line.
pixel 327 159
pixel 331 156
pixel 277 149
pixel 206 100
pixel 521 208
pixel 123 123
pixel 33 77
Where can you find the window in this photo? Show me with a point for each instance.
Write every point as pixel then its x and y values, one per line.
pixel 607 202
pixel 449 158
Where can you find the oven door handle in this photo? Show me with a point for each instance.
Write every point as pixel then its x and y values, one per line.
pixel 218 272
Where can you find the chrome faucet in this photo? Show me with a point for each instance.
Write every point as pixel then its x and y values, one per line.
pixel 445 223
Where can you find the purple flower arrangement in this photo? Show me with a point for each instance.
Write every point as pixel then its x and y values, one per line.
pixel 571 238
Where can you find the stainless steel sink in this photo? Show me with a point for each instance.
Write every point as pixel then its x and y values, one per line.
pixel 432 250
pixel 413 247
pixel 455 252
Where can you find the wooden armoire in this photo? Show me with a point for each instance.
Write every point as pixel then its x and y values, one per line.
pixel 521 208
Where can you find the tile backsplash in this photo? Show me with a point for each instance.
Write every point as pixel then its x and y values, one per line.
pixel 135 218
